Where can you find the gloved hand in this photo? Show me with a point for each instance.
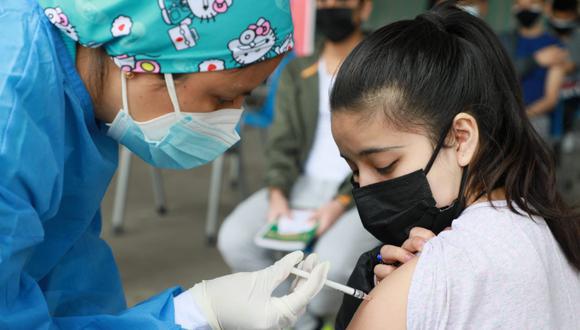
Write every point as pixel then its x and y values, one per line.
pixel 308 266
pixel 244 300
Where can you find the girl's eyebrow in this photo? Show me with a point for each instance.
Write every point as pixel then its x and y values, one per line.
pixel 376 150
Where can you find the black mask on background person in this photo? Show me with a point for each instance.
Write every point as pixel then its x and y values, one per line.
pixel 390 209
pixel 527 17
pixel 336 24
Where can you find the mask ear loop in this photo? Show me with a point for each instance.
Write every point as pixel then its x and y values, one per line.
pixel 461 197
pixel 437 149
pixel 172 94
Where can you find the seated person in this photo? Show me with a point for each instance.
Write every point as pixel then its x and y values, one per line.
pixel 540 79
pixel 428 115
pixel 564 21
pixel 304 168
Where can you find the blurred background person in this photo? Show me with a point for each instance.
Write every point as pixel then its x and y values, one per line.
pixel 564 22
pixel 540 78
pixel 304 167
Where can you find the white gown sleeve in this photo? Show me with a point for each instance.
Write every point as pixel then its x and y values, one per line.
pixel 188 315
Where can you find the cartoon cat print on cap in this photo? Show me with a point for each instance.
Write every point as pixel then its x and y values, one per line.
pixel 60 19
pixel 254 43
pixel 174 11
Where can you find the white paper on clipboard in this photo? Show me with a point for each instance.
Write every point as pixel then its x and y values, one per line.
pixel 298 222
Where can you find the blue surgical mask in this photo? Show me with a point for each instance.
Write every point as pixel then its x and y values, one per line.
pixel 178 140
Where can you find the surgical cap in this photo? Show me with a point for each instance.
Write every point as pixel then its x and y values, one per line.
pixel 177 36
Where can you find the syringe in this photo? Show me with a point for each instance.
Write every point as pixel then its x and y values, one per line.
pixel 337 286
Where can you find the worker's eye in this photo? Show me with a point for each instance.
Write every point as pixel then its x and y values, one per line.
pixel 223 101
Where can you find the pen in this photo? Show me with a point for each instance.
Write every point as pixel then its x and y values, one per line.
pixel 381 261
pixel 337 286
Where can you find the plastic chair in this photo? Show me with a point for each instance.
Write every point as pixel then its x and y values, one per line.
pixel 237 180
pixel 120 201
pixel 237 176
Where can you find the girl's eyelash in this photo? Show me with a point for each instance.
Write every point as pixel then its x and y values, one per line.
pixel 387 169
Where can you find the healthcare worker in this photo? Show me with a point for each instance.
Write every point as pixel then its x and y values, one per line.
pixel 177 70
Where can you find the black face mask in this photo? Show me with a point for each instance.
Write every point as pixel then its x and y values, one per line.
pixel 390 209
pixel 528 18
pixel 336 24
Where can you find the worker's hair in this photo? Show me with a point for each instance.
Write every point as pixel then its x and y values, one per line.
pixel 98 70
pixel 421 73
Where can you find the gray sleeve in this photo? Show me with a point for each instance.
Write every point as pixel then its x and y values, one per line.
pixel 574 48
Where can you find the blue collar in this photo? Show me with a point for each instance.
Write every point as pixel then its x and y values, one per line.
pixel 70 45
pixel 66 53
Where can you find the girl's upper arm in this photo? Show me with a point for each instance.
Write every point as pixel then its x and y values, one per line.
pixel 387 308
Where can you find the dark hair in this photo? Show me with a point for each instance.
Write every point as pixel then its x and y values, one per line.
pixel 431 4
pixel 565 5
pixel 421 73
pixel 97 73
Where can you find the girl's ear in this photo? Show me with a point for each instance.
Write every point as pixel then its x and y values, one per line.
pixel 466 134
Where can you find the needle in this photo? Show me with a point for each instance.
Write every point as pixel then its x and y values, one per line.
pixel 337 286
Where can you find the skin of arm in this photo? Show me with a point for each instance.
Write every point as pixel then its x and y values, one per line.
pixel 554 80
pixel 387 308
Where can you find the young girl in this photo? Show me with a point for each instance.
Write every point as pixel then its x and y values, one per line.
pixel 77 79
pixel 429 116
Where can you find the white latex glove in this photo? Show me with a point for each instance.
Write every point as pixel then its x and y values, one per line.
pixel 244 300
pixel 308 266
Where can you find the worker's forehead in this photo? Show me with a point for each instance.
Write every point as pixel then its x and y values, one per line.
pixel 227 83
